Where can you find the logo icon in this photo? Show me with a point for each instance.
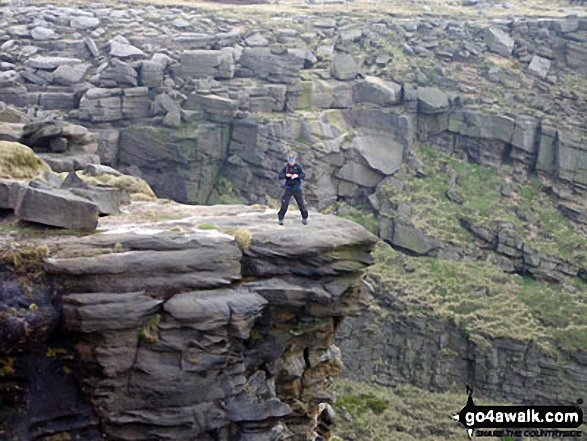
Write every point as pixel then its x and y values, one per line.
pixel 535 421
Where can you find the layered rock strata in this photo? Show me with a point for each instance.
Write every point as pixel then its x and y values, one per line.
pixel 190 322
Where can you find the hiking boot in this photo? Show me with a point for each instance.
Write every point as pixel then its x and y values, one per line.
pixel 280 221
pixel 305 221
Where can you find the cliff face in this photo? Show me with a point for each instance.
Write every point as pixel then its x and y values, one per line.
pixel 436 355
pixel 179 322
pixel 207 106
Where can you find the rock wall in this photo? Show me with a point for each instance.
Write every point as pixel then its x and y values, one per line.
pixel 422 349
pixel 214 323
pixel 206 98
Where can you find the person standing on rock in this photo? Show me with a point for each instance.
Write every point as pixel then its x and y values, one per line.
pixel 292 175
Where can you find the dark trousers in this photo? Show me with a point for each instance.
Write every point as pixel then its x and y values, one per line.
pixel 297 194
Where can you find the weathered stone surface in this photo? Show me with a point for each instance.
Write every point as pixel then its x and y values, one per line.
pixel 151 74
pixel 148 264
pixel 432 100
pixel 359 174
pixel 539 66
pixel 207 310
pixel 57 100
pixel 50 63
pixel 344 67
pixel 382 153
pixel 60 162
pixel 11 131
pixel 166 340
pixel 122 50
pixel 481 125
pixel 275 68
pixel 410 239
pixel 525 132
pixel 106 311
pixel 499 41
pixel 68 75
pixel 216 108
pixel 572 161
pixel 547 147
pixel 9 193
pixel 118 73
pixel 57 208
pixel 202 63
pixel 83 22
pixel 376 91
pixel 256 40
pixel 105 198
pixel 43 33
pixel 100 105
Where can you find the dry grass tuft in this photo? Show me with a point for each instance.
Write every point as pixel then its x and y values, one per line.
pixel 136 187
pixel 18 161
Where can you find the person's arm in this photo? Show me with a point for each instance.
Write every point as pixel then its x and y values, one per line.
pixel 282 172
pixel 301 173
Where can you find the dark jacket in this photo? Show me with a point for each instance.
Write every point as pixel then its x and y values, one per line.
pixel 292 169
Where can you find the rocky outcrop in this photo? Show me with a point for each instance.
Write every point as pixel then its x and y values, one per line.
pixel 213 321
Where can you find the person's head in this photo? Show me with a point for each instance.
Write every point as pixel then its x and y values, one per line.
pixel 291 158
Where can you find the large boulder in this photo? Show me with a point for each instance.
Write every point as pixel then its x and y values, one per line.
pixel 101 105
pixel 9 191
pixel 83 22
pixel 273 66
pixel 344 67
pixel 67 75
pixel 357 173
pixel 381 152
pixel 67 162
pixel 215 107
pixel 499 41
pixel 377 91
pixel 539 66
pixel 412 240
pixel 123 50
pixel 51 63
pixel 206 63
pixel 56 208
pixel 432 100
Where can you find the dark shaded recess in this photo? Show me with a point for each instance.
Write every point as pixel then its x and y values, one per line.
pixel 39 395
pixel 42 397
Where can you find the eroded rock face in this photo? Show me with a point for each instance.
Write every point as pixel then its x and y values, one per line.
pixel 213 321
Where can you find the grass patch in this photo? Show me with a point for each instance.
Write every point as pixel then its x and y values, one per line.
pixel 223 193
pixel 306 100
pixel 483 300
pixel 545 228
pixel 132 185
pixel 26 259
pixel 410 413
pixel 207 226
pixel 360 214
pixel 150 330
pixel 18 161
pixel 405 413
pixel 7 366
